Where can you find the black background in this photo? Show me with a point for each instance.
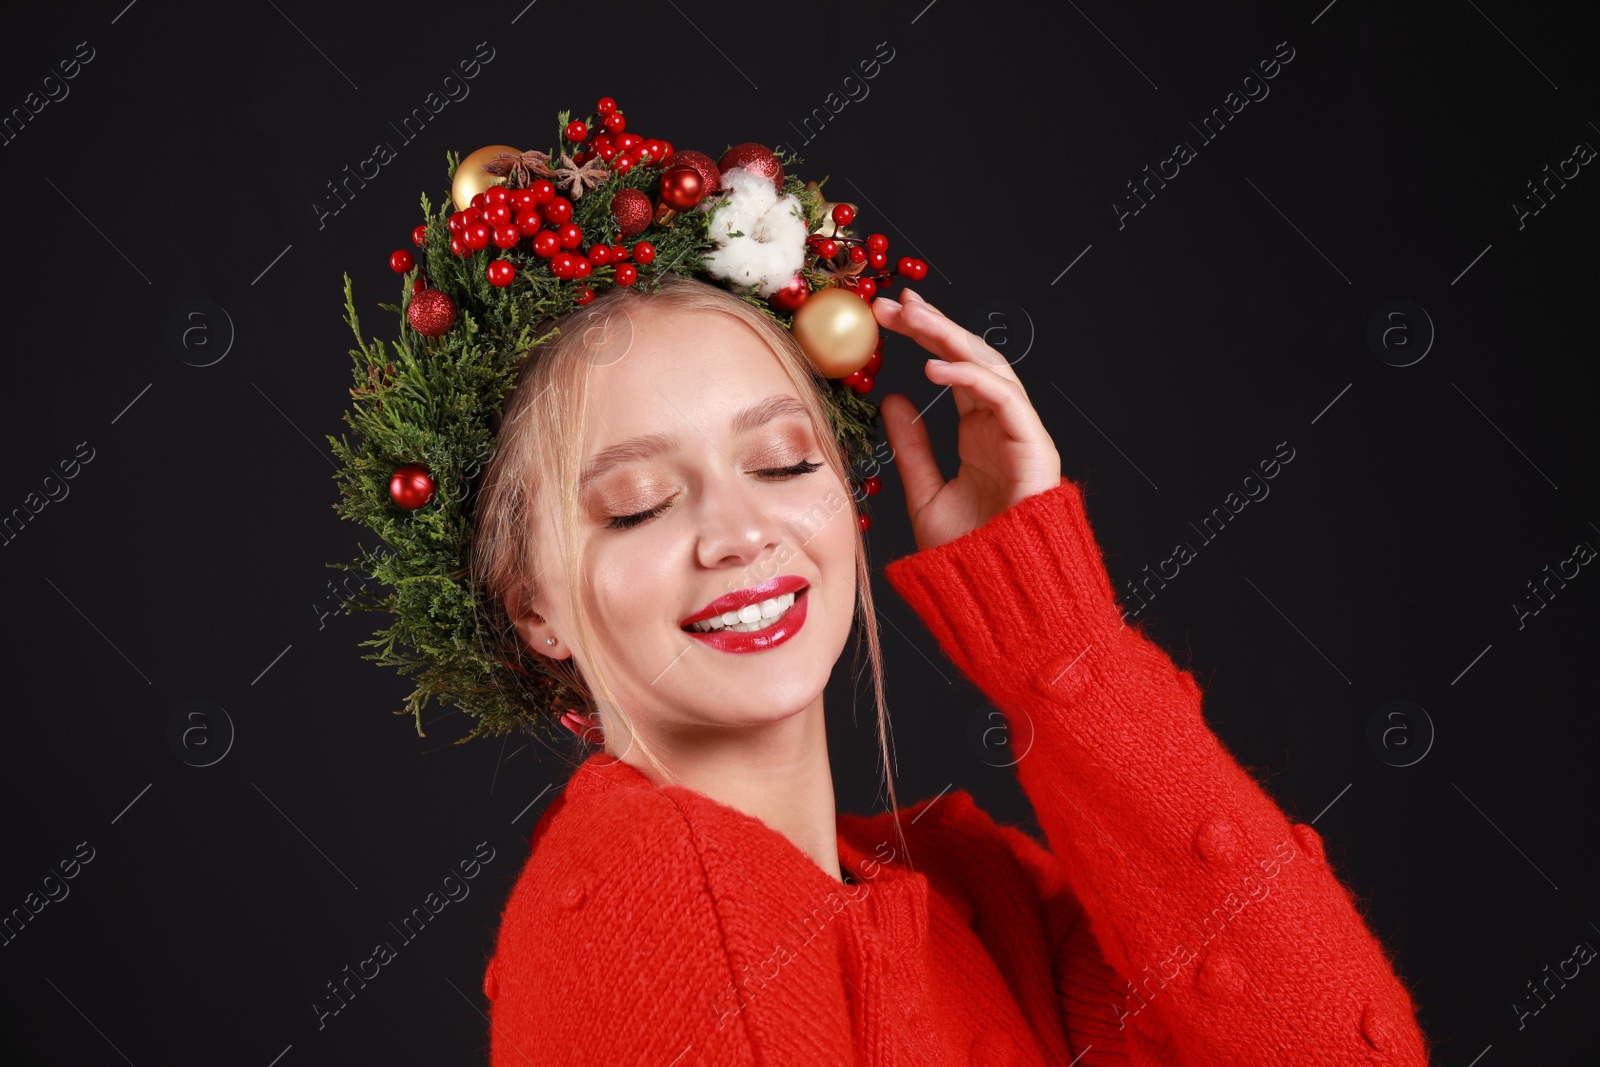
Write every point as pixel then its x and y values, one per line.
pixel 1230 314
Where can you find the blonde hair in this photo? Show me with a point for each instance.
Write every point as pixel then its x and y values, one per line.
pixel 539 443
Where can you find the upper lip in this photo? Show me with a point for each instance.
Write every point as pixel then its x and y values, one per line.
pixel 787 583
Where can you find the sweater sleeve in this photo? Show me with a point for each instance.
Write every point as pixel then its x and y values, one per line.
pixel 610 947
pixel 1230 938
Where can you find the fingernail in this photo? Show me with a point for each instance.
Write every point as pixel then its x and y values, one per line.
pixel 889 300
pixel 911 294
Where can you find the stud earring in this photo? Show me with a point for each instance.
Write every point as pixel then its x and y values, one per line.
pixel 549 640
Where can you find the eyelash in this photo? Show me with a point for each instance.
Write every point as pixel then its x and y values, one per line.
pixel 628 522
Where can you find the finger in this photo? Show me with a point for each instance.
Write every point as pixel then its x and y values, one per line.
pixel 908 436
pixel 949 340
pixel 1003 396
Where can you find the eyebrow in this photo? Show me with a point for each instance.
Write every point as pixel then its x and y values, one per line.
pixel 650 445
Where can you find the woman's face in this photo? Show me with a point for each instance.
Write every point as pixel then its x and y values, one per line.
pixel 703 478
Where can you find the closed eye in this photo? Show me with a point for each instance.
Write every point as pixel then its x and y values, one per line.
pixel 628 522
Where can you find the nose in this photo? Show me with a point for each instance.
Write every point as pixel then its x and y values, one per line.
pixel 737 526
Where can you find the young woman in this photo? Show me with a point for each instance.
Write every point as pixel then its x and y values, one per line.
pixel 667 518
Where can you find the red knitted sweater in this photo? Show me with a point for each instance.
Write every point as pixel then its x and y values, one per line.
pixel 1177 917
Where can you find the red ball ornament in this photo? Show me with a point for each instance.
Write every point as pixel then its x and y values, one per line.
pixel 577 131
pixel 704 165
pixel 791 296
pixel 501 272
pixel 401 261
pixel 431 313
pixel 843 214
pixel 627 274
pixel 419 235
pixel 681 188
pixel 411 486
pixel 632 210
pixel 644 252
pixel 754 157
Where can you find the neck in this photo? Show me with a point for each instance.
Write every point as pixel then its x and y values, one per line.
pixel 777 772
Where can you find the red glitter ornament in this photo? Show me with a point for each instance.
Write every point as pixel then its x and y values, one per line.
pixel 411 486
pixel 632 210
pixel 431 313
pixel 754 157
pixel 710 176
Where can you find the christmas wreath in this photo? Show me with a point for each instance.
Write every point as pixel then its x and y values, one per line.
pixel 528 236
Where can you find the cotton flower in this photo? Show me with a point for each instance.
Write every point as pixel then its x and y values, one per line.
pixel 772 229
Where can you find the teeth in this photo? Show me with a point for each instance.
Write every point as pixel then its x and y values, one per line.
pixel 750 618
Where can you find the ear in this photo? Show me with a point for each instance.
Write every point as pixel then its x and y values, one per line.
pixel 539 635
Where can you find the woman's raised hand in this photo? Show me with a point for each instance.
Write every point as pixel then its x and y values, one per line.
pixel 1006 455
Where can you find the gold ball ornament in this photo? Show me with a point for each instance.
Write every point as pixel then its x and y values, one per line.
pixel 836 330
pixel 471 179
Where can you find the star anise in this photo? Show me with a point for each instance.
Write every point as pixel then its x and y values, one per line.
pixel 579 180
pixel 529 167
pixel 844 277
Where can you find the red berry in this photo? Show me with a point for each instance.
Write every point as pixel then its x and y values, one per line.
pixel 644 252
pixel 418 284
pixel 521 199
pixel 864 386
pixel 497 215
pixel 874 364
pixel 530 222
pixel 600 255
pixel 586 295
pixel 827 249
pixel 606 152
pixel 627 274
pixel 843 214
pixel 858 254
pixel 557 210
pixel 581 268
pixel 619 253
pixel 628 142
pixel 577 131
pixel 456 223
pixel 623 163
pixel 478 201
pixel 606 105
pixel 915 269
pixel 852 379
pixel 615 123
pixel 496 194
pixel 401 261
pixel 458 246
pixel 666 150
pixel 872 485
pixel 506 236
pixel 475 236
pixel 501 271
pixel 569 235
pixel 866 288
pixel 543 190
pixel 877 260
pixel 419 235
pixel 866 523
pixel 546 243
pixel 877 243
pixel 561 264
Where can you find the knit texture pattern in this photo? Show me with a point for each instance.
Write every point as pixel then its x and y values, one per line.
pixel 1177 916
